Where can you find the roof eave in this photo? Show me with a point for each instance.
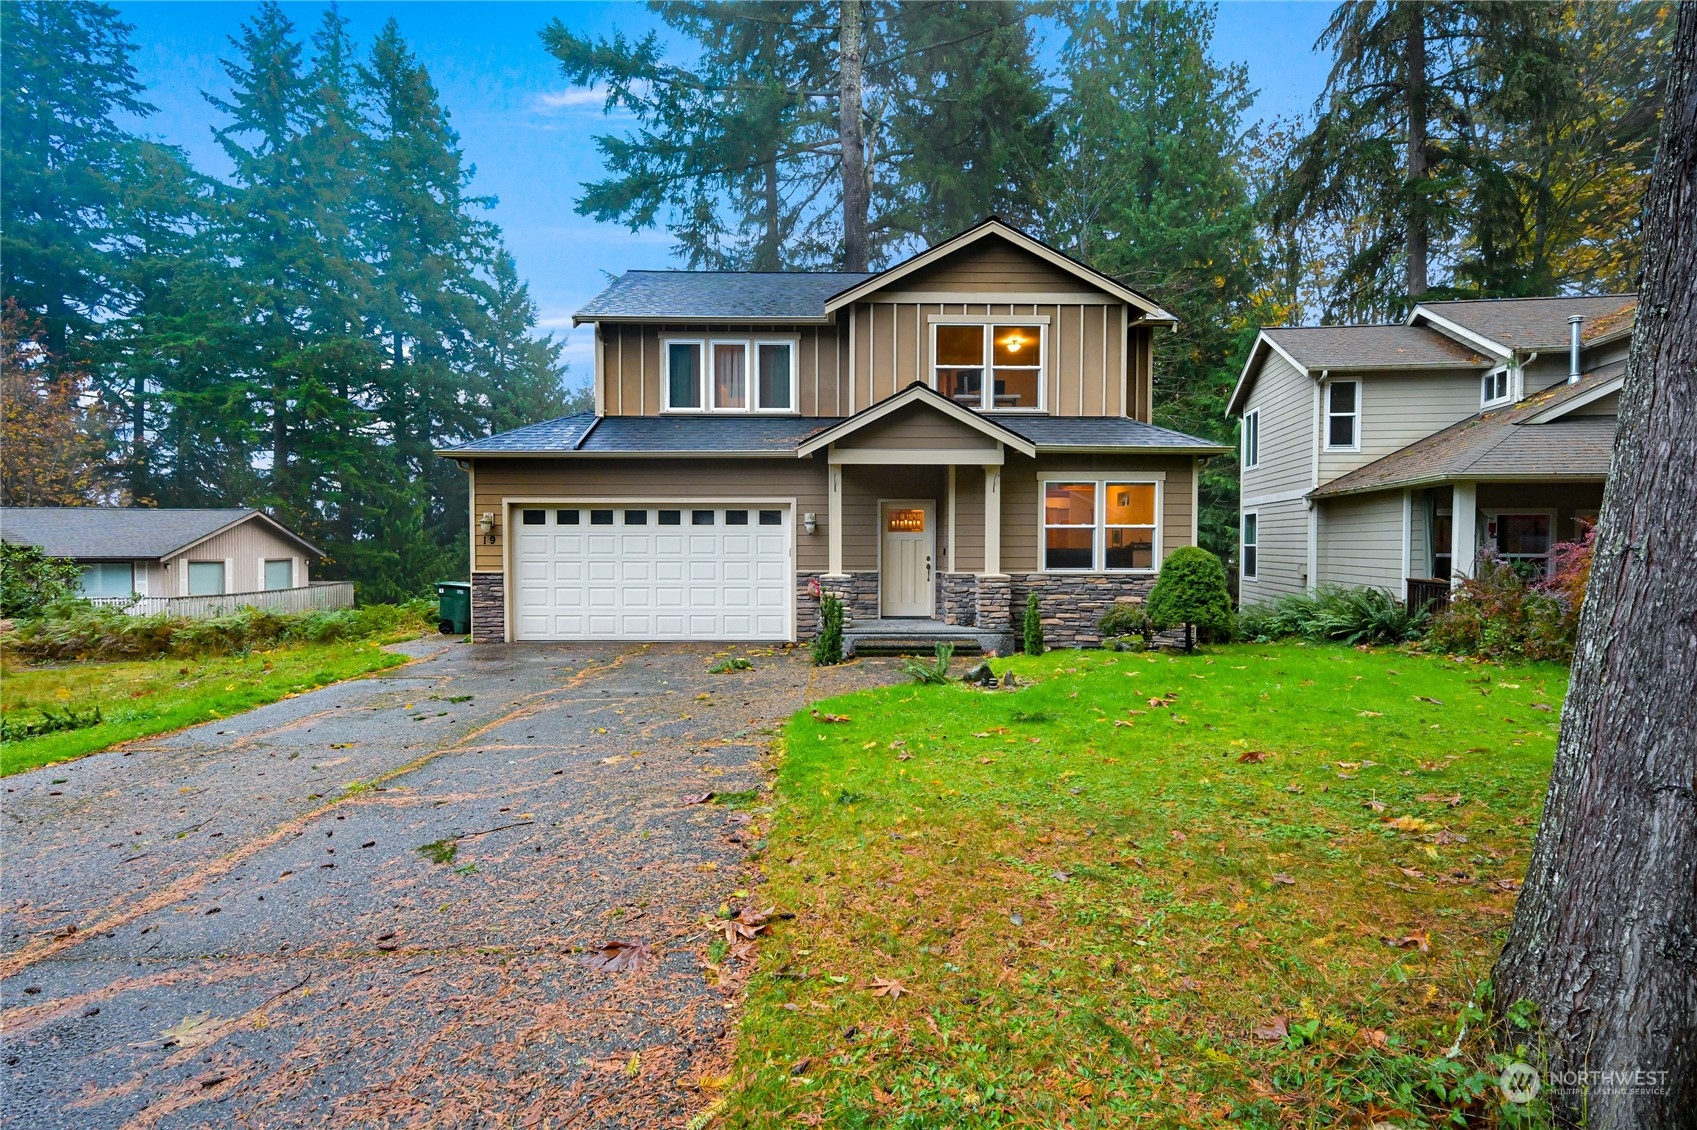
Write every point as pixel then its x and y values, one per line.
pixel 1130 449
pixel 651 453
pixel 1442 477
pixel 702 320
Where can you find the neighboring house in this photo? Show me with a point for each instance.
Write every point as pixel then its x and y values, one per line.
pixel 136 551
pixel 931 442
pixel 1391 456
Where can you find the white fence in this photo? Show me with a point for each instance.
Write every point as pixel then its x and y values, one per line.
pixel 317 595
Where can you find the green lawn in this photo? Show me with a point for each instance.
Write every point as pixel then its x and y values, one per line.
pixel 144 697
pixel 1253 887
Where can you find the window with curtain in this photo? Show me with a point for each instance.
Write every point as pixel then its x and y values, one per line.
pixel 730 375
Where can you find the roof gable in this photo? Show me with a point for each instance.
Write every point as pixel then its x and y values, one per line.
pixel 931 398
pixel 122 533
pixel 1507 325
pixel 933 259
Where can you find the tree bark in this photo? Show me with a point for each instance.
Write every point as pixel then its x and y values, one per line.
pixel 1414 91
pixel 850 44
pixel 1604 940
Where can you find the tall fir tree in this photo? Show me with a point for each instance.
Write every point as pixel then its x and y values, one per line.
pixel 1148 186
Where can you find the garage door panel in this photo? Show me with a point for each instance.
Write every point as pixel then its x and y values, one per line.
pixel 629 578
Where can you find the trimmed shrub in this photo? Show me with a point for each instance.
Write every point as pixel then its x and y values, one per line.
pixel 1124 620
pixel 1034 642
pixel 1332 613
pixel 1192 591
pixel 31 581
pixel 828 644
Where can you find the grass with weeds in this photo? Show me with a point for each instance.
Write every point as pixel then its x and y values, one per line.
pixel 138 698
pixel 1258 886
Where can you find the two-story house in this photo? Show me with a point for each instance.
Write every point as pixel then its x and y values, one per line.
pixel 1392 456
pixel 931 442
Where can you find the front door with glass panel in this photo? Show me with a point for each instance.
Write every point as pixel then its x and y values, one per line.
pixel 906 576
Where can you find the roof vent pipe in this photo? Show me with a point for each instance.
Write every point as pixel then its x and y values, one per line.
pixel 1573 324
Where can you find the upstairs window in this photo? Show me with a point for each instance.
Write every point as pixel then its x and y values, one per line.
pixel 737 375
pixel 1251 439
pixel 989 366
pixel 1343 415
pixel 1497 386
pixel 1251 544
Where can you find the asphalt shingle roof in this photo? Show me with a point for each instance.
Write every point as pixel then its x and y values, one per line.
pixel 1538 323
pixel 1499 444
pixel 1374 347
pixel 111 532
pixel 763 435
pixel 706 295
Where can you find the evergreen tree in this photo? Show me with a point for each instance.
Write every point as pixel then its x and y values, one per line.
pixel 1148 186
pixel 64 75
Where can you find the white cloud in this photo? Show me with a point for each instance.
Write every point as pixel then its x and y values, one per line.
pixel 592 98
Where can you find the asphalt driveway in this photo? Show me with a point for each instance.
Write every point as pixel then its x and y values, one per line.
pixel 235 925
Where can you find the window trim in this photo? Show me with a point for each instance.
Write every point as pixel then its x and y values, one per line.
pixel 85 567
pixel 1492 517
pixel 751 344
pixel 1509 372
pixel 1252 439
pixel 1099 536
pixel 988 323
pixel 1244 572
pixel 1327 415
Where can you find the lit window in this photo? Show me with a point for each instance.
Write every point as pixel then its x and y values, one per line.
pixel 1015 368
pixel 1103 526
pixel 1129 524
pixel 905 521
pixel 1069 526
pixel 1343 414
pixel 730 375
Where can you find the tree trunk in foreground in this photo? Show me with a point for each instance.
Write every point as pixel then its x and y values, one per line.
pixel 1604 940
pixel 850 45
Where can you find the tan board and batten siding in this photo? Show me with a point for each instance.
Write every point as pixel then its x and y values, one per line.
pixel 1098 362
pixel 501 483
pixel 243 551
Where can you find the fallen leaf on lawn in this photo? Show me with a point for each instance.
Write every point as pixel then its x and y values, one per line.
pixel 1435 798
pixel 881 987
pixel 904 757
pixel 1189 984
pixel 1419 939
pixel 747 923
pixel 1284 879
pixel 1178 835
pixel 982 734
pixel 1059 876
pixel 1544 706
pixel 1507 884
pixel 1272 1029
pixel 1373 1037
pixel 1433 701
pixel 1412 873
pixel 1368 714
pixel 1121 722
pixel 823 717
pixel 1375 805
pixel 1129 711
pixel 1253 757
pixel 618 957
pixel 800 1066
pixel 1447 837
pixel 1349 765
pixel 1409 824
pixel 694 798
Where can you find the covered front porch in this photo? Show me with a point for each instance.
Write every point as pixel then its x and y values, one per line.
pixel 1450 526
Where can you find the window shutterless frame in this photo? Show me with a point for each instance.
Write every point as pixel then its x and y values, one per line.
pixel 1248 559
pixel 1100 526
pixel 762 371
pixel 1343 415
pixel 1497 387
pixel 1252 438
pixel 996 364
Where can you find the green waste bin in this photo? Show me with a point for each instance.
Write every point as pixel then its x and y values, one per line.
pixel 453 606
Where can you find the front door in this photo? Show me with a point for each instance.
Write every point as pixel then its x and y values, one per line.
pixel 909 547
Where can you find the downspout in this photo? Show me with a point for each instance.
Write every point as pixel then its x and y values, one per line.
pixel 1573 324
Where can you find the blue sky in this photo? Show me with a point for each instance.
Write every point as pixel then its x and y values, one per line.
pixel 530 135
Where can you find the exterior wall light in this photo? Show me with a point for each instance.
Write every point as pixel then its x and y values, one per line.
pixel 486 527
pixel 810 523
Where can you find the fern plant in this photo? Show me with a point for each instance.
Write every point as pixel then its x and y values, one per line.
pixel 935 673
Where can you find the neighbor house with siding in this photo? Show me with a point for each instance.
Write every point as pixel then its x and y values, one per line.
pixel 931 442
pixel 1391 456
pixel 127 551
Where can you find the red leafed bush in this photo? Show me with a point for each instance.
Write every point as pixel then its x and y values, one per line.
pixel 1500 614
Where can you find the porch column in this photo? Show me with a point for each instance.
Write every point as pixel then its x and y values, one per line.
pixel 834 519
pixel 992 521
pixel 1464 531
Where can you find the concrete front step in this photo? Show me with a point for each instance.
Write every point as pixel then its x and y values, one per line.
pixel 921 637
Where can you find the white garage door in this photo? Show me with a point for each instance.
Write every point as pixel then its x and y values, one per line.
pixel 653 572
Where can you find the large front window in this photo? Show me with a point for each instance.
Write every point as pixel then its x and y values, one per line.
pixel 735 375
pixel 1100 526
pixel 1523 540
pixel 108 578
pixel 987 366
